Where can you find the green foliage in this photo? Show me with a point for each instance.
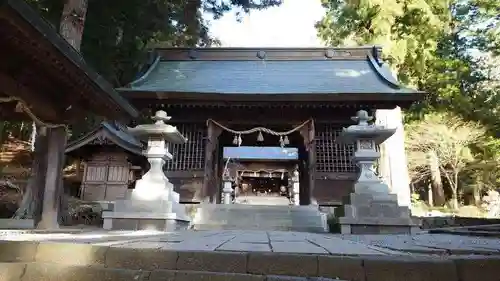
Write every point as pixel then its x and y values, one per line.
pixel 428 43
pixel 117 33
pixel 448 49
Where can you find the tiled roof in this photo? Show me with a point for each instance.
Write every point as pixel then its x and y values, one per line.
pixel 114 132
pixel 317 75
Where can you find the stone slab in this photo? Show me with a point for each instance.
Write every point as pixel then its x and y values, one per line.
pixel 139 215
pixel 341 267
pixel 282 264
pixel 213 261
pixel 211 276
pixel 301 247
pixel 251 239
pixel 344 247
pixel 473 268
pixel 145 259
pixel 11 271
pixel 456 244
pixel 18 251
pixel 378 221
pixel 393 268
pixel 81 254
pixel 148 223
pixel 288 236
pixel 295 278
pixel 17 224
pixel 141 245
pixel 402 243
pixel 244 247
pixel 192 246
pixel 143 206
pixel 52 272
pixel 380 229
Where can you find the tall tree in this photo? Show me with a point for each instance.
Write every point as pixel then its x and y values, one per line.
pixel 449 139
pixel 118 33
pixel 73 22
pixel 430 44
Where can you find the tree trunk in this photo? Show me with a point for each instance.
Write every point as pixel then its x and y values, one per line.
pixel 477 195
pixel 430 196
pixel 73 22
pixel 71 29
pixel 454 199
pixel 437 182
pixel 31 205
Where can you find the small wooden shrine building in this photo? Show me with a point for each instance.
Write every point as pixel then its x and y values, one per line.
pixel 44 79
pixel 112 161
pixel 277 97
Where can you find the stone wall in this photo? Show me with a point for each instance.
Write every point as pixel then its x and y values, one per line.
pixel 441 222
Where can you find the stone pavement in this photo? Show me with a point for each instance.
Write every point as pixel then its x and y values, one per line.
pixel 244 255
pixel 273 241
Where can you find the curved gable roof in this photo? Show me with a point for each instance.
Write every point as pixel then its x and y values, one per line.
pixel 114 133
pixel 231 71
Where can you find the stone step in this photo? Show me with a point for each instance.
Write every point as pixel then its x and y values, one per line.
pixel 253 207
pixel 258 210
pixel 253 217
pixel 264 222
pixel 26 261
pixel 274 227
pixel 259 217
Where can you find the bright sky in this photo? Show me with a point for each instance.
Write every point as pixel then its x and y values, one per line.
pixel 289 25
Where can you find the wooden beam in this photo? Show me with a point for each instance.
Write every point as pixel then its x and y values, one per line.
pixel 40 107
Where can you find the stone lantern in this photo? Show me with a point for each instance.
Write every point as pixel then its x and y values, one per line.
pixel 153 204
pixel 371 208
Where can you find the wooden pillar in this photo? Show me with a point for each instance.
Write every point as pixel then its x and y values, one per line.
pixel 54 190
pixel 312 160
pixel 308 134
pixel 38 173
pixel 209 191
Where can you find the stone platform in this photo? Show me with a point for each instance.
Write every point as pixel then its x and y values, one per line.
pixel 259 217
pixel 245 255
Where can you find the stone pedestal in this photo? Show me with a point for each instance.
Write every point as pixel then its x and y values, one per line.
pixel 227 191
pixel 153 204
pixel 365 213
pixel 371 208
pixel 145 215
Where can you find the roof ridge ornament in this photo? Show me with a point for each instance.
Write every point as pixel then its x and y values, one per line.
pixel 377 54
pixel 332 52
pixel 193 54
pixel 329 53
pixel 261 54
